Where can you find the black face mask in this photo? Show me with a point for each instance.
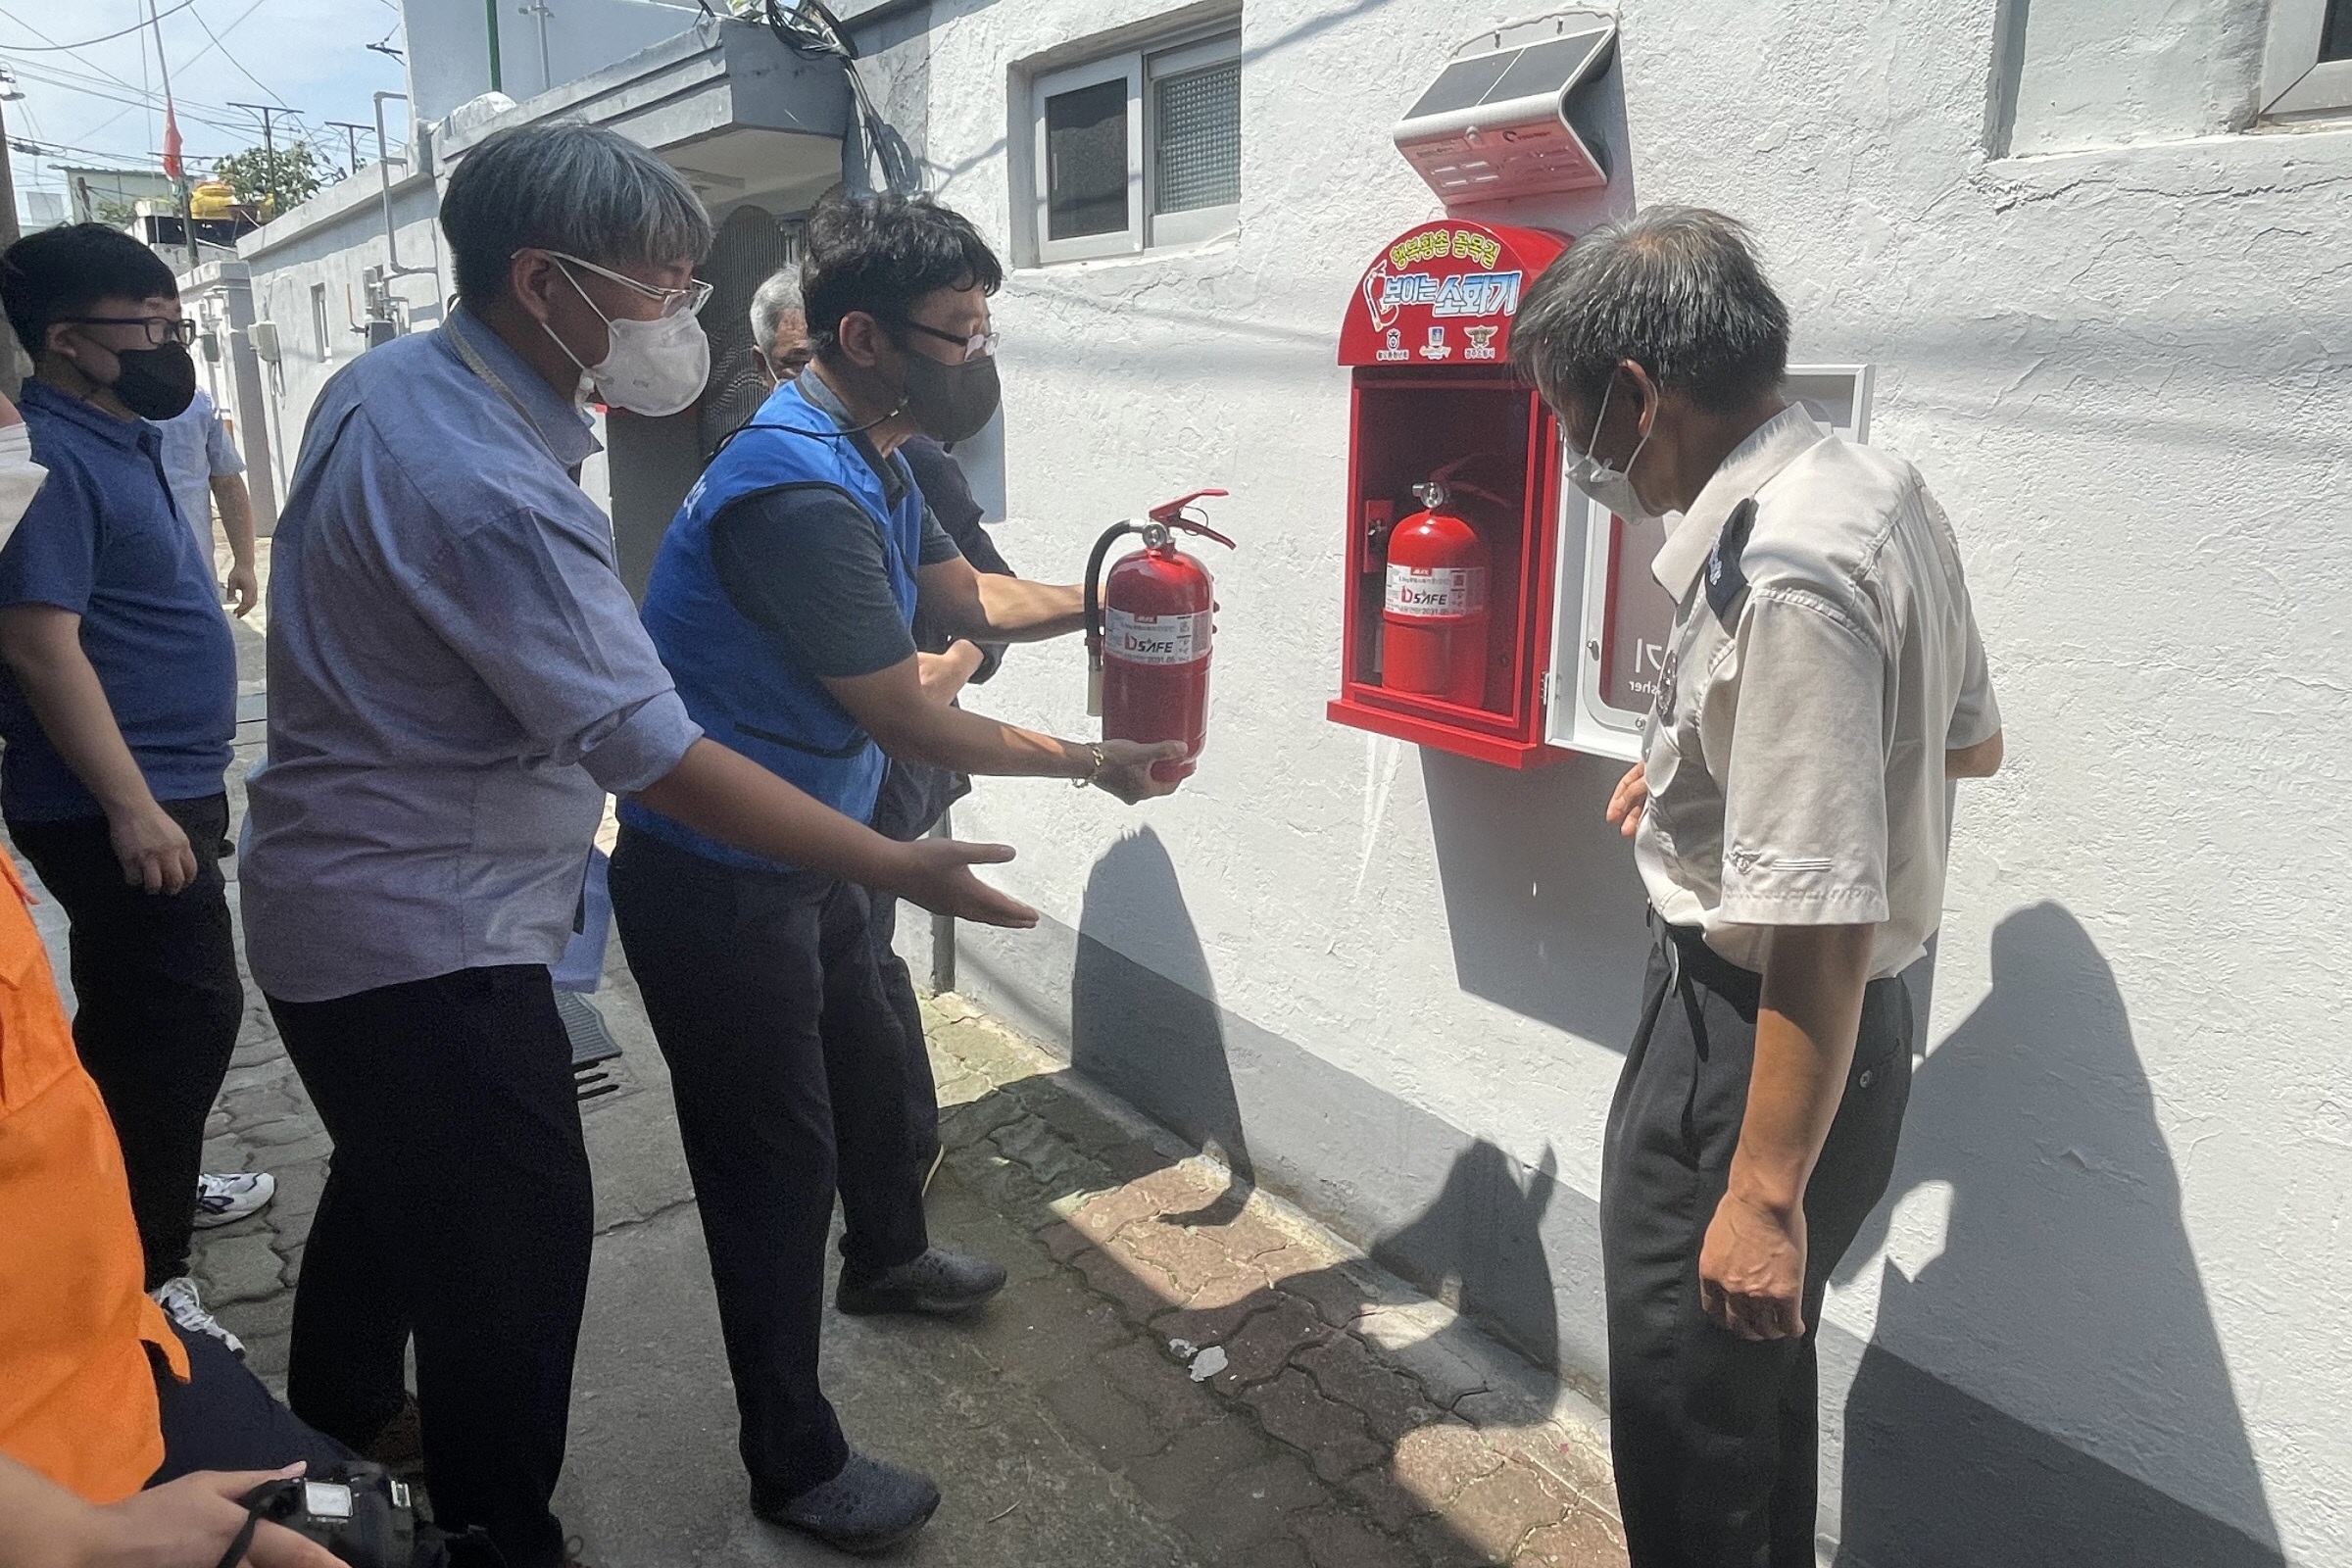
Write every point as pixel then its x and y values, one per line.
pixel 156 383
pixel 950 403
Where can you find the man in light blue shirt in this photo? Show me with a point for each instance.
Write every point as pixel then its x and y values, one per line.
pixel 203 467
pixel 457 679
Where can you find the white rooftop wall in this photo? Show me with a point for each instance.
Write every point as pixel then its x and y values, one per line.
pixel 2125 371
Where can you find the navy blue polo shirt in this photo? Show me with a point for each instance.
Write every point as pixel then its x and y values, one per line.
pixel 104 540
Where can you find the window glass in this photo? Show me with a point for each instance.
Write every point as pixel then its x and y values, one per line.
pixel 2336 34
pixel 1086 160
pixel 1197 162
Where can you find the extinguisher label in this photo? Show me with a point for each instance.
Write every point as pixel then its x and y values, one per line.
pixel 1436 591
pixel 1154 639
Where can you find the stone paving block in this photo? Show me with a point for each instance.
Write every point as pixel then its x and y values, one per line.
pixel 1190 1258
pixel 1253 1234
pixel 1425 1337
pixel 280 1129
pixel 1179 1188
pixel 1392 1506
pixel 1050 1158
pixel 1342 1541
pixel 1041 1328
pixel 965 1124
pixel 1500 1510
pixel 1276 1554
pixel 265 1317
pixel 1142 1293
pixel 267 1074
pixel 1435 1463
pixel 1342 1290
pixel 1583 1540
pixel 1215 1314
pixel 1328 1433
pixel 1118 1428
pixel 1252 1506
pixel 1440 1546
pixel 1391 1402
pixel 1574 1462
pixel 299 1185
pixel 223 1153
pixel 1262 1347
pixel 1063 1241
pixel 1105 1214
pixel 1153 1379
pixel 1001 1184
pixel 237 1268
pixel 1187 1469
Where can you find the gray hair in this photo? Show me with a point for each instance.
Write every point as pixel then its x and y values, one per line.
pixel 771 302
pixel 569 187
pixel 1677 290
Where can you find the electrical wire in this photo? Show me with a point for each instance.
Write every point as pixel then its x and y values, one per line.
pixel 810 31
pixel 124 32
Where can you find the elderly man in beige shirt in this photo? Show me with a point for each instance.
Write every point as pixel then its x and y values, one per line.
pixel 1823 681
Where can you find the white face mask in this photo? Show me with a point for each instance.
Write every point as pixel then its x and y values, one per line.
pixel 652 368
pixel 20 478
pixel 1612 488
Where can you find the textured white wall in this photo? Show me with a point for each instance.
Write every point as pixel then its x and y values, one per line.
pixel 2124 373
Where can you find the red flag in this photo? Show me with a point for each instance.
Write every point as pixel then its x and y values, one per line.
pixel 170 144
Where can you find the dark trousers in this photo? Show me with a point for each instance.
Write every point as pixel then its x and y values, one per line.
pixel 1714 1436
pixel 157 1003
pixel 897 985
pixel 457 1210
pixel 222 1419
pixel 762 991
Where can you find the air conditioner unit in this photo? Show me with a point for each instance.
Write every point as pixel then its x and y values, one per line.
pixel 264 335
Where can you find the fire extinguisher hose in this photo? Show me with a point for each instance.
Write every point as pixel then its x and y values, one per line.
pixel 1093 585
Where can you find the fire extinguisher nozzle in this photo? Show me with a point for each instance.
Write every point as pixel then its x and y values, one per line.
pixel 1094 689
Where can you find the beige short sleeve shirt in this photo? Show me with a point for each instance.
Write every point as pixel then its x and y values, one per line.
pixel 1824 659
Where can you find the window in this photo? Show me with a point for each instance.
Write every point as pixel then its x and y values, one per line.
pixel 325 344
pixel 1139 149
pixel 2307 69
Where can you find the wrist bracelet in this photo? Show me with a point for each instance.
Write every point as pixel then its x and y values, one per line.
pixel 1093 751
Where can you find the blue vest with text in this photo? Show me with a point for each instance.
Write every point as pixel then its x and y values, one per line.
pixel 740 683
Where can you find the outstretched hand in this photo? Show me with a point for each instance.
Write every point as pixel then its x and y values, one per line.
pixel 1128 768
pixel 194 1520
pixel 938 875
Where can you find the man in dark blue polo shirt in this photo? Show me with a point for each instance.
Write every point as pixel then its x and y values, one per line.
pixel 118 703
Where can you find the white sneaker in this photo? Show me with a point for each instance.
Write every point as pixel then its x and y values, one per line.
pixel 180 1303
pixel 226 1200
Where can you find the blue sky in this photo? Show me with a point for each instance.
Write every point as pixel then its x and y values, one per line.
pixel 103 105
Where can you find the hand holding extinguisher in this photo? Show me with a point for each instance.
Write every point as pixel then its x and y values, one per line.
pixel 1147 633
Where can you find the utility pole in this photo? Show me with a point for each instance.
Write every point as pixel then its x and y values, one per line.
pixel 10 363
pixel 268 113
pixel 350 136
pixel 490 10
pixel 172 164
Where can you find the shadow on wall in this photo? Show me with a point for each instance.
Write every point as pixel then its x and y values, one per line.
pixel 1478 1245
pixel 1542 898
pixel 2066 1271
pixel 1168 1054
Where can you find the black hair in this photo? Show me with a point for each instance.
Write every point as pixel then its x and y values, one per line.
pixel 57 273
pixel 572 188
pixel 1677 291
pixel 881 254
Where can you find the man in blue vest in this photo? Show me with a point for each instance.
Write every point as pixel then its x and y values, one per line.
pixel 782 601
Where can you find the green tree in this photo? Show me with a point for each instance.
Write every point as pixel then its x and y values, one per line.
pixel 115 214
pixel 286 176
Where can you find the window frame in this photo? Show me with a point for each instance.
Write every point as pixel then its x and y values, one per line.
pixel 321 325
pixel 1142 68
pixel 2296 83
pixel 1127 68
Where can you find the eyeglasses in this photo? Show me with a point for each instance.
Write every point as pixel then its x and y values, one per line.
pixel 979 346
pixel 689 299
pixel 160 329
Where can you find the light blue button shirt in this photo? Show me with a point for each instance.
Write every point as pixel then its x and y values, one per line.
pixel 196 450
pixel 457 678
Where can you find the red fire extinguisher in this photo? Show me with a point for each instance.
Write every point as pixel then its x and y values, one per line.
pixel 1146 636
pixel 1434 617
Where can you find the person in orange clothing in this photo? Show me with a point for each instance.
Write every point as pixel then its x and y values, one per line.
pixel 120 1438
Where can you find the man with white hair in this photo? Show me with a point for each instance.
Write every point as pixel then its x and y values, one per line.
pixel 1790 817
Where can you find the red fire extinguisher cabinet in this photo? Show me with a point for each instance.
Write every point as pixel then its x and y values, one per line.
pixel 1427 336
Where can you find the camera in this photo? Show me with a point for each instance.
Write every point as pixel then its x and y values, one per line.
pixel 356 1511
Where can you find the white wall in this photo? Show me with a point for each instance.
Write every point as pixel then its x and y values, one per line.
pixel 331 241
pixel 2124 370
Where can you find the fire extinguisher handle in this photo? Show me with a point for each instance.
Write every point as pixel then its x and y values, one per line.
pixel 1172 512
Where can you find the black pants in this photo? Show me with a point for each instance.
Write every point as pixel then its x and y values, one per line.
pixel 223 1418
pixel 1714 1436
pixel 898 986
pixel 458 1210
pixel 157 1003
pixel 763 994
